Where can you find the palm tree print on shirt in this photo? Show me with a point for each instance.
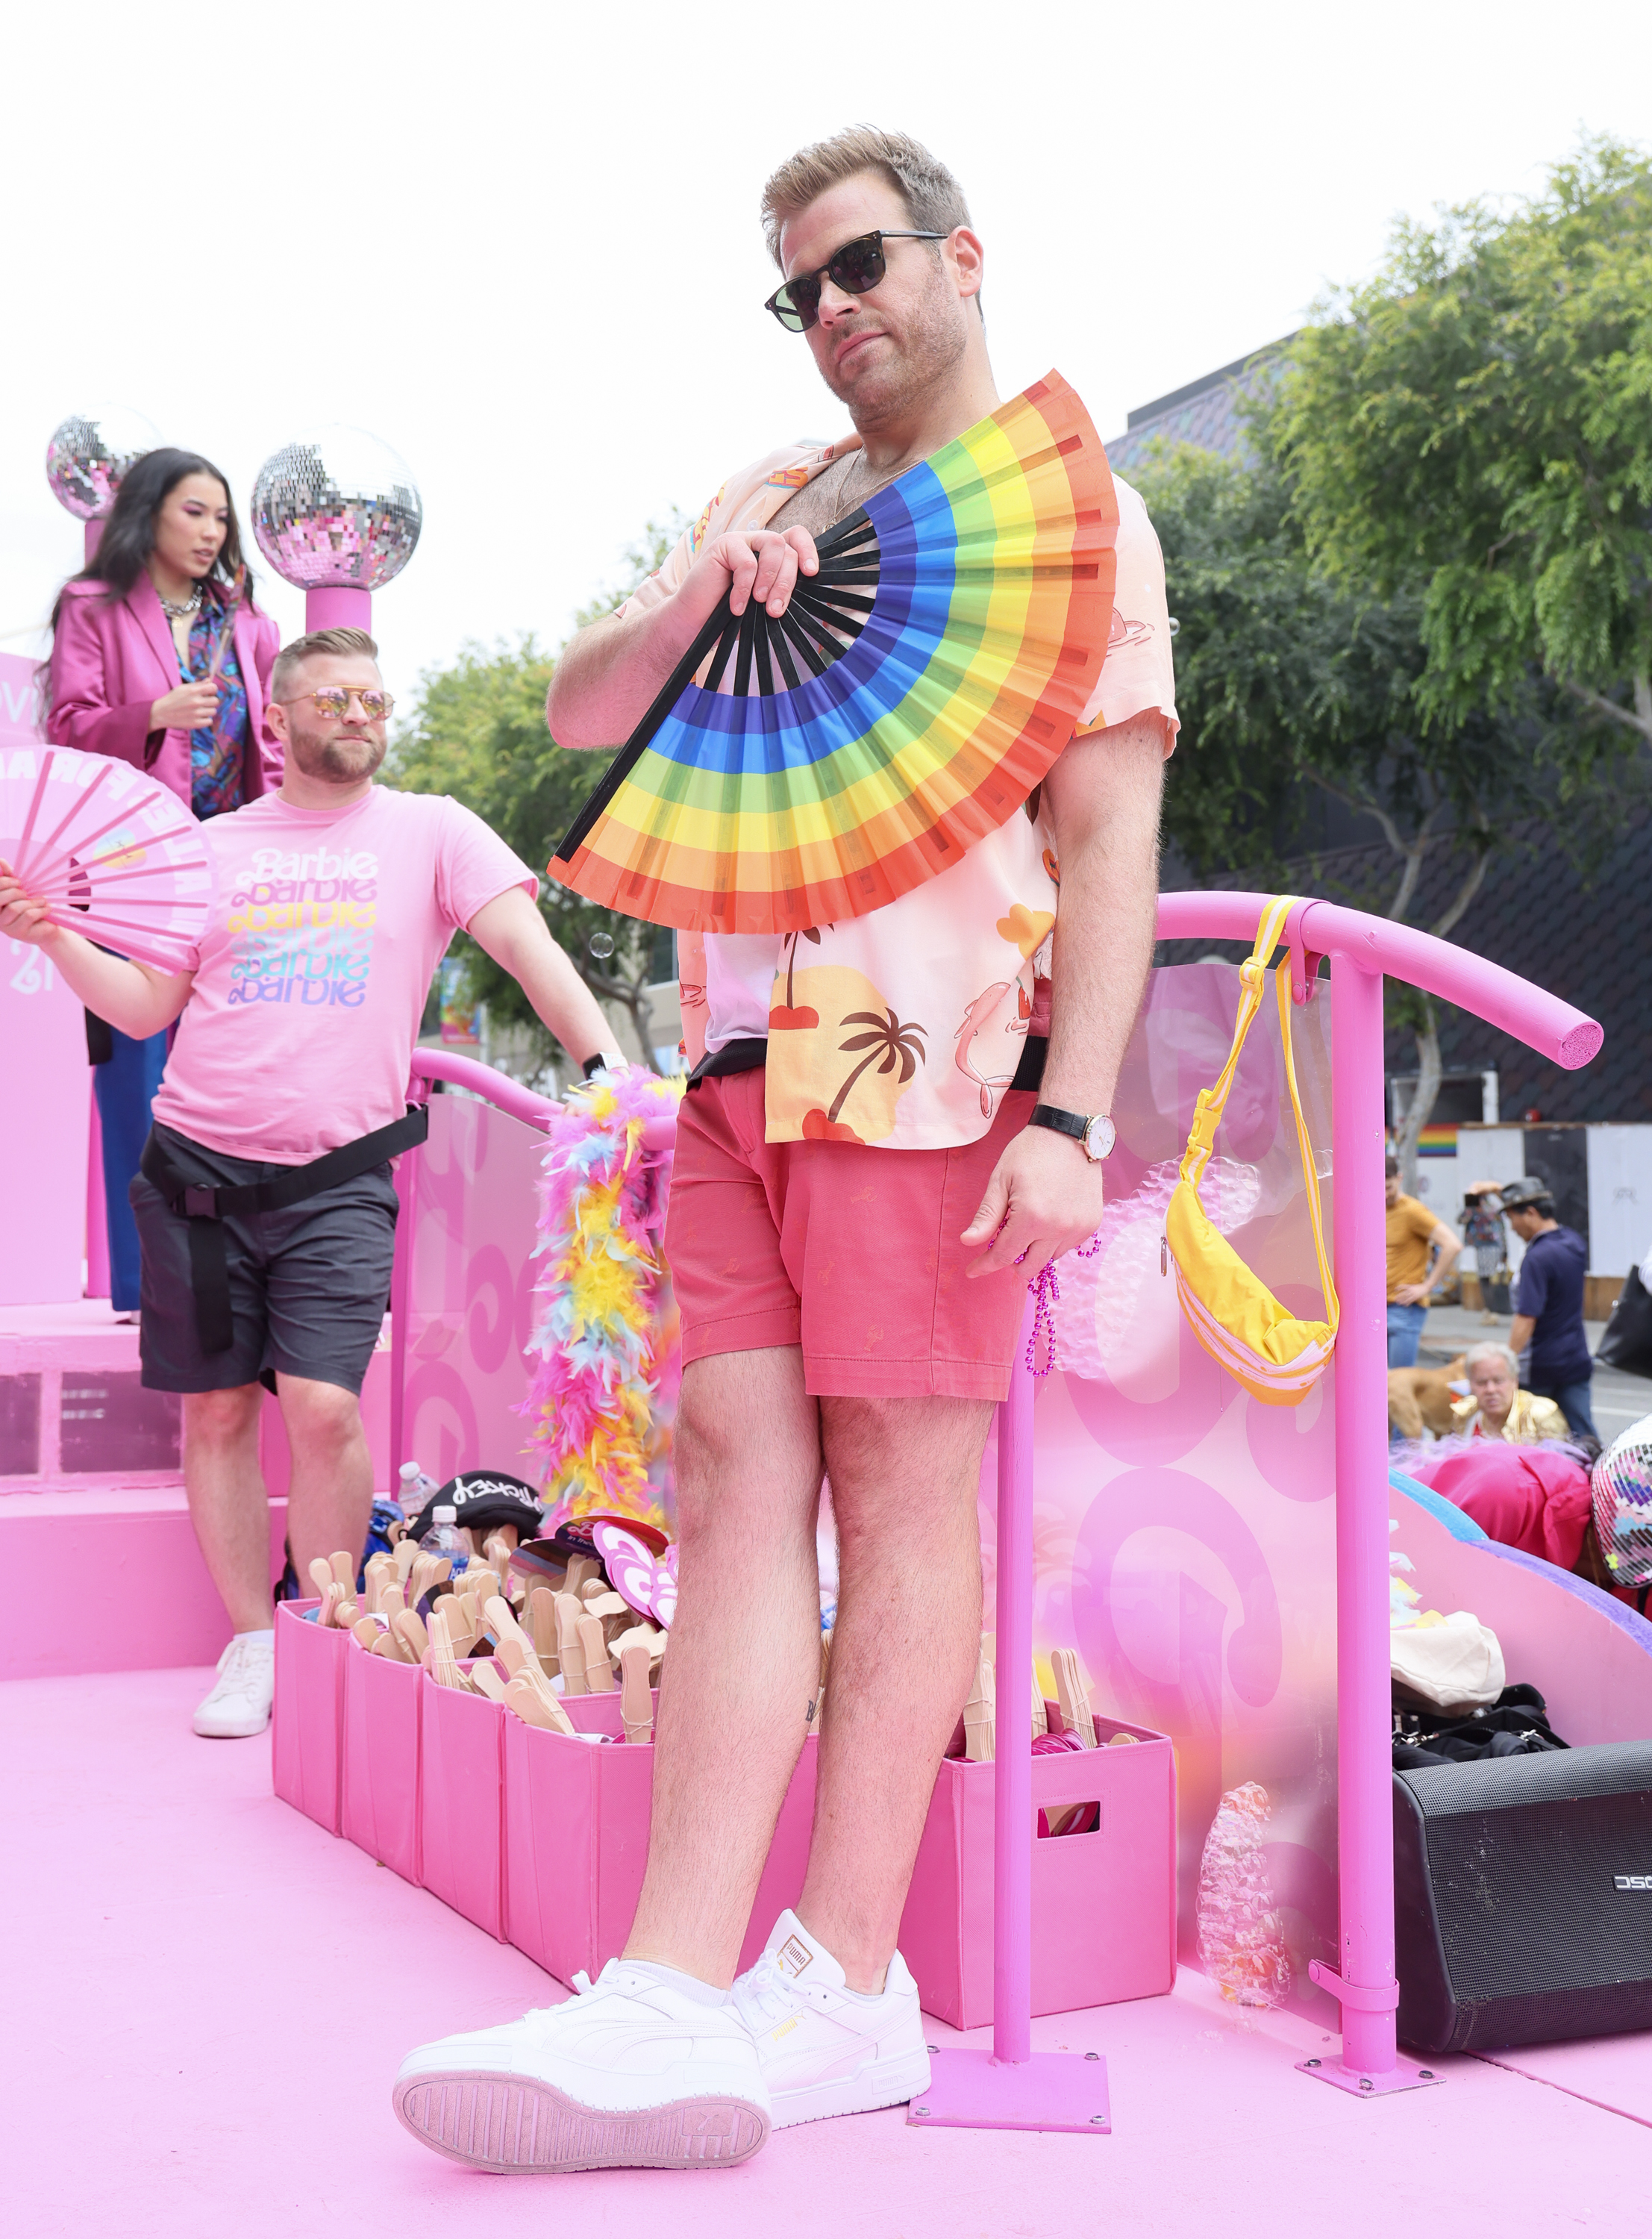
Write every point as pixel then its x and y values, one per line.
pixel 889 1042
pixel 787 1017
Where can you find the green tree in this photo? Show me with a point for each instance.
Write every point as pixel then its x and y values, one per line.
pixel 1475 425
pixel 1296 684
pixel 477 730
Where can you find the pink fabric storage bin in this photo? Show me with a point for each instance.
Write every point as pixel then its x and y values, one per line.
pixel 1103 1904
pixel 576 1840
pixel 379 1783
pixel 460 1800
pixel 308 1713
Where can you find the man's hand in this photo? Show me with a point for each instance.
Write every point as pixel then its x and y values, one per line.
pixel 1411 1294
pixel 1053 1196
pixel 22 918
pixel 761 564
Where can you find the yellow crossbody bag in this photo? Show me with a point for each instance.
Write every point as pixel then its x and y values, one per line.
pixel 1233 1313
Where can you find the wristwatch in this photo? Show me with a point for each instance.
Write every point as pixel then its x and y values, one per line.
pixel 604 1061
pixel 1095 1135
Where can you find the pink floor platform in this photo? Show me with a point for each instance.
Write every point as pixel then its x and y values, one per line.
pixel 208 1995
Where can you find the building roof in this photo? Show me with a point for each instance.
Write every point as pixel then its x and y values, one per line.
pixel 1205 413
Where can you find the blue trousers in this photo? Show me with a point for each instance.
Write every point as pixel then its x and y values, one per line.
pixel 1572 1400
pixel 125 1089
pixel 1404 1333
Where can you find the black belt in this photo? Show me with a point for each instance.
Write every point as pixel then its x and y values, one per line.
pixel 207 1208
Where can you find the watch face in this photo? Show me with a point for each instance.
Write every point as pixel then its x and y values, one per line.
pixel 1099 1138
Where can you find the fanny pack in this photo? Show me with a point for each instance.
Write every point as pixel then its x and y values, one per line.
pixel 207 1207
pixel 1234 1315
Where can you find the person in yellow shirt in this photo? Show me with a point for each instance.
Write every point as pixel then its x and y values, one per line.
pixel 1420 1250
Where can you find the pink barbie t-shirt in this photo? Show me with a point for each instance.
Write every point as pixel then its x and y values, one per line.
pixel 311 979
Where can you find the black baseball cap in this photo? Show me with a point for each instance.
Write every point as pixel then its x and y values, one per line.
pixel 482 1500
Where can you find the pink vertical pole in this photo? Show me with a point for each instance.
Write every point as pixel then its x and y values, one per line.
pixel 1013 1768
pixel 97 1276
pixel 1366 1809
pixel 94 537
pixel 407 1185
pixel 338 606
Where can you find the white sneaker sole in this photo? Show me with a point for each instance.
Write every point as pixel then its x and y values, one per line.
pixel 215 1726
pixel 889 2082
pixel 501 2123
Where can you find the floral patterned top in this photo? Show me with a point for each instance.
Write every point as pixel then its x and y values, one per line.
pixel 904 1029
pixel 215 753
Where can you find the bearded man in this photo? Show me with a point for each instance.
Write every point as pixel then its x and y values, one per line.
pixel 266 1211
pixel 851 1244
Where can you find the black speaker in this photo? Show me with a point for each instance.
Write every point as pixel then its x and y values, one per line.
pixel 1523 1893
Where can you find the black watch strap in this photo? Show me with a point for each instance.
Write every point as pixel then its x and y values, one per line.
pixel 1065 1123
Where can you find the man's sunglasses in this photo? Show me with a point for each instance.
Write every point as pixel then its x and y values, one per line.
pixel 858 266
pixel 335 700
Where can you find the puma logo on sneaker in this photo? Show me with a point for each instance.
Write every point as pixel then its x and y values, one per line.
pixel 794 1957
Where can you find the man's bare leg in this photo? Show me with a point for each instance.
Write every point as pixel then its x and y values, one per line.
pixel 905 1476
pixel 744 1657
pixel 228 1505
pixel 329 1498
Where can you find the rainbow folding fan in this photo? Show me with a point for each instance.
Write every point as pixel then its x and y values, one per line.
pixel 114 854
pixel 905 704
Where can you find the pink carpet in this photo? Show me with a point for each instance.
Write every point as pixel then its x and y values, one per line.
pixel 207 1998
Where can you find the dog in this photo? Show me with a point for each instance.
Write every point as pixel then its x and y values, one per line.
pixel 1422 1398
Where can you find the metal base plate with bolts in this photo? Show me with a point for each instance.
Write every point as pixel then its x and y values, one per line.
pixel 1404 2076
pixel 1050 2091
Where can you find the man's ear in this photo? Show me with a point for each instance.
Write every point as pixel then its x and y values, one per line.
pixel 963 250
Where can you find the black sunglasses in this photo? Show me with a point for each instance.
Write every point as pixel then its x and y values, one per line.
pixel 858 266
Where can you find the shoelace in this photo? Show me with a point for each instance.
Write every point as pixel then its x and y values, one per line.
pixel 765 1991
pixel 239 1663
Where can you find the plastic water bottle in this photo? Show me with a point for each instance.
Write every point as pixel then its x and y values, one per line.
pixel 444 1537
pixel 416 1488
pixel 1241 1945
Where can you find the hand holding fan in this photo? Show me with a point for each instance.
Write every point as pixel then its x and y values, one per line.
pixel 110 852
pixel 912 695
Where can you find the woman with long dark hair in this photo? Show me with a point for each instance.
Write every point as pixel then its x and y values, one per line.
pixel 159 656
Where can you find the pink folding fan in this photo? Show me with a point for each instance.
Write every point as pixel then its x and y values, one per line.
pixel 110 850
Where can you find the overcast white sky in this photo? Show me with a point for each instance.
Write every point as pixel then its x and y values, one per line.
pixel 520 242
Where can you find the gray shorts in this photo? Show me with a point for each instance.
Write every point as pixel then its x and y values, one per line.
pixel 308 1286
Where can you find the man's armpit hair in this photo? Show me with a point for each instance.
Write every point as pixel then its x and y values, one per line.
pixel 317 645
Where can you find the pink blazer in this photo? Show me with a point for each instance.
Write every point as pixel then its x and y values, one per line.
pixel 112 660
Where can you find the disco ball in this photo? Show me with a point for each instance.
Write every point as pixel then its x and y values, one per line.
pixel 90 451
pixel 1621 1484
pixel 338 510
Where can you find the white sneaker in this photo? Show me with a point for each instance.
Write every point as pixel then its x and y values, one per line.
pixel 245 1688
pixel 629 2073
pixel 824 2050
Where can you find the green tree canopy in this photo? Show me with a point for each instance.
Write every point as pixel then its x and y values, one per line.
pixel 1475 425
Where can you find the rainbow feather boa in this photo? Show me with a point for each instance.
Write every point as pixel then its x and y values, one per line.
pixel 608 1361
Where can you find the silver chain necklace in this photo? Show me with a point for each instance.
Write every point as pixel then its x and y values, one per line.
pixel 175 610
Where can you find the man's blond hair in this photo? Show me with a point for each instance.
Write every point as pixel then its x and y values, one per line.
pixel 934 200
pixel 316 645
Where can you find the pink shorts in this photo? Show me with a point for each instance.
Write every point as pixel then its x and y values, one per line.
pixel 847 1250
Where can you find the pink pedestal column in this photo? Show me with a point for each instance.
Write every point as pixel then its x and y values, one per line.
pixel 97 1276
pixel 338 607
pixel 1012 2088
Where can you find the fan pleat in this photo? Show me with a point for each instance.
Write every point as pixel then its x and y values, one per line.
pixel 953 636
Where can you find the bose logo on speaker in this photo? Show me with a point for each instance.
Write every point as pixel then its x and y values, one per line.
pixel 1632 1881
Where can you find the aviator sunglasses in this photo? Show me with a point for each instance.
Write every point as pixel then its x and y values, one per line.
pixel 335 700
pixel 858 266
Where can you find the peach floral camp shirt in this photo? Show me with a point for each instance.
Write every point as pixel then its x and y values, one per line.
pixel 904 1029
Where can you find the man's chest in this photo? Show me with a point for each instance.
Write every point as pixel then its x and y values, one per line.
pixel 819 503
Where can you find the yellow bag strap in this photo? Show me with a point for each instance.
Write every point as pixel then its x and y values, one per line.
pixel 1211 1102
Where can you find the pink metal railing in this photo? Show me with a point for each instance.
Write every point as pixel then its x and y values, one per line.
pixel 1011 2086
